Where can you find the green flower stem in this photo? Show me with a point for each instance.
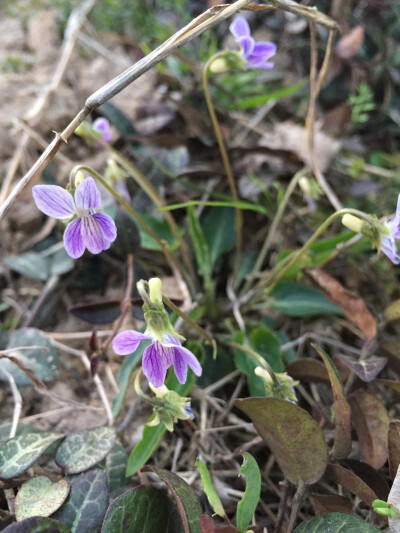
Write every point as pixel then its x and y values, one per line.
pixel 187 319
pixel 256 356
pixel 272 231
pixel 163 245
pixel 225 160
pixel 152 193
pixel 296 255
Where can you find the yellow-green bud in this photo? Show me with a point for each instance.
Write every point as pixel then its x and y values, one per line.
pixel 219 66
pixel 353 223
pixel 155 291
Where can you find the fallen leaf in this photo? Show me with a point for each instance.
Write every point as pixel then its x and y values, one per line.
pixel 370 476
pixel 371 422
pixel 366 370
pixel 207 525
pixel 328 503
pixel 307 369
pixel 349 45
pixel 353 307
pixel 351 482
pixel 394 447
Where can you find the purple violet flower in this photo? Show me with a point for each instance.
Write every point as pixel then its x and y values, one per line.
pixel 256 54
pixel 102 125
pixel 159 356
pixel 91 229
pixel 388 243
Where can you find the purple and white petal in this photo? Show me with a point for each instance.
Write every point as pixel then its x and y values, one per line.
pixel 262 51
pixel 92 235
pixel 73 241
pixel 247 44
pixel 54 201
pixel 182 358
pixel 102 125
pixel 239 27
pixel 394 224
pixel 107 225
pixel 154 364
pixel 127 341
pixel 264 65
pixel 389 248
pixel 87 195
pixel 169 339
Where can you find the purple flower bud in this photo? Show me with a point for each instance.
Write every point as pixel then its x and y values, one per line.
pixel 102 125
pixel 91 229
pixel 256 54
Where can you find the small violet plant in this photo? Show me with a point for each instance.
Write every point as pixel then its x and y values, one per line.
pixel 255 54
pixel 88 227
pixel 165 349
pixel 383 235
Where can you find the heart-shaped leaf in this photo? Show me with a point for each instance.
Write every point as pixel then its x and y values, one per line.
pixel 19 453
pixel 142 510
pixel 40 497
pixel 335 523
pixel 366 370
pixel 248 504
pixel 293 436
pixel 185 497
pixel 84 510
pixel 84 449
pixel 342 442
pixel 114 465
pixel 42 359
pixel 371 422
pixel 37 524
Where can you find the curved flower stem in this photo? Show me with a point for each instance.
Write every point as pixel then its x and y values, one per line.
pixel 146 185
pixel 225 160
pixel 256 356
pixel 272 231
pixel 187 319
pixel 163 245
pixel 292 259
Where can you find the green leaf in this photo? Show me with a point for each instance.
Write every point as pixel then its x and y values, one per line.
pixel 185 496
pixel 245 206
pixel 200 246
pixel 219 231
pixel 19 453
pixel 248 504
pixel 162 229
pixel 141 510
pixel 294 299
pixel 40 497
pixel 31 264
pixel 60 263
pixel 266 344
pixel 209 489
pixel 335 523
pixel 117 119
pixel 43 361
pixel 114 466
pixel 82 450
pixel 255 101
pixel 129 364
pixel 293 436
pixel 37 524
pixel 84 510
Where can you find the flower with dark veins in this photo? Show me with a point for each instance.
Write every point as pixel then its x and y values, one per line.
pixel 90 229
pixel 255 54
pixel 159 356
pixel 388 243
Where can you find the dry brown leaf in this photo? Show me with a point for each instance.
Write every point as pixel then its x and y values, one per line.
pixel 352 305
pixel 349 45
pixel 293 138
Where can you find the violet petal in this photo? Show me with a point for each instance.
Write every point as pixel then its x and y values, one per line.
pixel 239 27
pixel 54 201
pixel 247 44
pixel 389 248
pixel 264 65
pixel 262 51
pixel 73 241
pixel 394 224
pixel 87 195
pixel 182 358
pixel 102 125
pixel 92 234
pixel 155 364
pixel 107 225
pixel 127 341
